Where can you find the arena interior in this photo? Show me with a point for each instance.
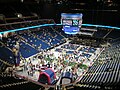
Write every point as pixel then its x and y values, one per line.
pixel 37 54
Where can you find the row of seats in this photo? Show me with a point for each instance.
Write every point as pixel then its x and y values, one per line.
pixel 101 32
pixel 103 76
pixel 41 39
pixel 15 24
pixel 2 66
pixel 8 81
pixel 6 55
pixel 26 50
pixel 34 41
pixel 105 70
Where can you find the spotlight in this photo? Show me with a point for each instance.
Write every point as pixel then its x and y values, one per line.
pixel 19 15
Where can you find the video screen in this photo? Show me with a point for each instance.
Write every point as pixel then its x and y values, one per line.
pixel 70 29
pixel 71 22
pixel 71 19
pixel 67 22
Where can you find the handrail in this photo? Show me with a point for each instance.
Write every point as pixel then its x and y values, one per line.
pixel 6 63
pixel 24 22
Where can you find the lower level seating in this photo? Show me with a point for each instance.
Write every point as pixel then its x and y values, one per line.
pixel 105 72
pixel 6 54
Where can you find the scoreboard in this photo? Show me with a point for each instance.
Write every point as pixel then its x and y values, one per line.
pixel 71 22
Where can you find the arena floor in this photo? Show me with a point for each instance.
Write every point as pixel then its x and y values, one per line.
pixel 65 57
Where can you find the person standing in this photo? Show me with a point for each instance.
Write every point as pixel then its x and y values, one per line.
pixel 16 54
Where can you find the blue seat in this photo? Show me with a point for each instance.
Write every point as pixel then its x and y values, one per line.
pixel 6 55
pixel 26 50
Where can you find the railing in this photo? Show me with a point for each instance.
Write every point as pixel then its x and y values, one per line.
pixel 26 22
